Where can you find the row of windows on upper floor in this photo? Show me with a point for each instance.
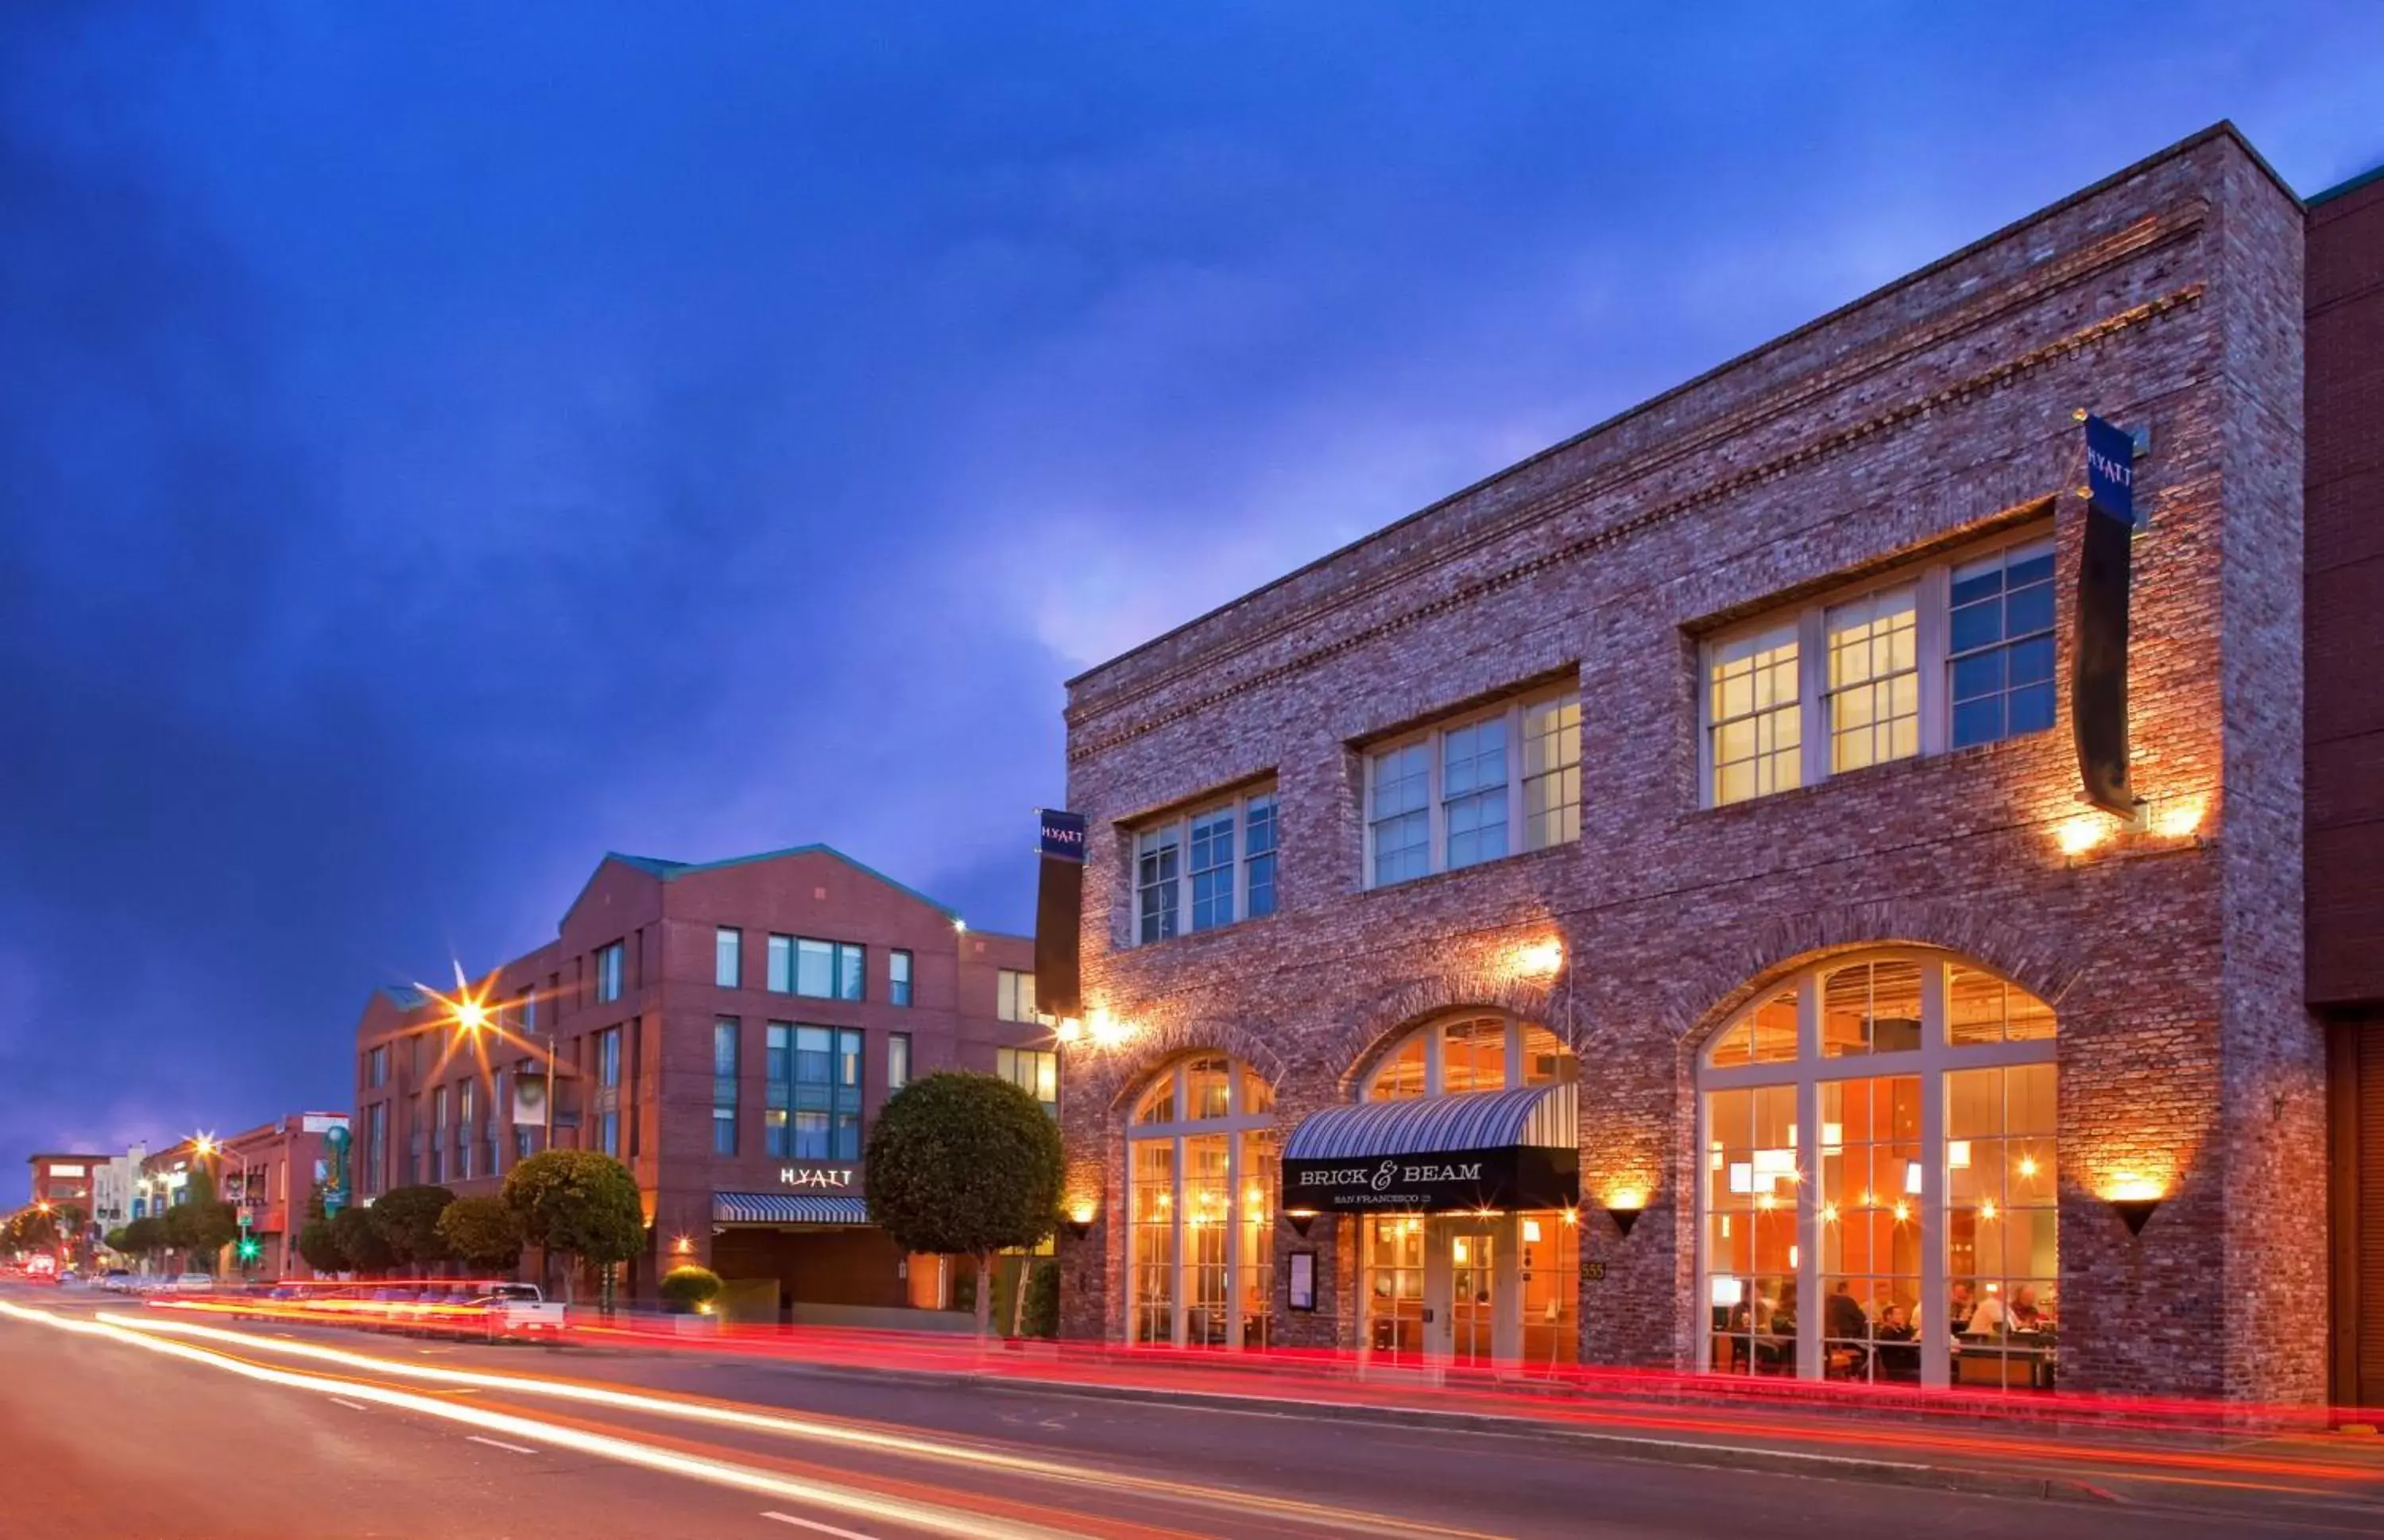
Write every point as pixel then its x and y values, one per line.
pixel 1943 656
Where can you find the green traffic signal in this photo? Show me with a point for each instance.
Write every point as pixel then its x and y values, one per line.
pixel 250 1250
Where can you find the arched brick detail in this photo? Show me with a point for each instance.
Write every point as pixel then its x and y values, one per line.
pixel 1720 977
pixel 1371 1025
pixel 1123 1071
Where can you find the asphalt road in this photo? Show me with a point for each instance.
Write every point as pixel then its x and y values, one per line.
pixel 104 1435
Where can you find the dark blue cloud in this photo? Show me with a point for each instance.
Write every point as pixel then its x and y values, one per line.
pixel 439 444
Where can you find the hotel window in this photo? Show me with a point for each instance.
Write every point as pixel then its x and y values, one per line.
pixel 464 1130
pixel 438 1135
pixel 1942 656
pixel 378 1074
pixel 496 1113
pixel 724 1085
pixel 1207 869
pixel 897 977
pixel 1033 1070
pixel 1924 1194
pixel 528 1012
pixel 728 957
pixel 778 1076
pixel 1015 996
pixel 608 972
pixel 608 1133
pixel 819 970
pixel 1475 789
pixel 1200 1180
pixel 376 1147
pixel 898 1061
pixel 827 1093
pixel 608 1059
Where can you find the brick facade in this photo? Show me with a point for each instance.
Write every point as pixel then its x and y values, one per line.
pixel 1933 411
pixel 666 916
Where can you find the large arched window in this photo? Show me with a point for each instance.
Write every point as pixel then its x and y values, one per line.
pixel 1200 1178
pixel 1877 1197
pixel 1475 1052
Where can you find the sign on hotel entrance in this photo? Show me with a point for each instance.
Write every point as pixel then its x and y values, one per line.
pixel 816 1176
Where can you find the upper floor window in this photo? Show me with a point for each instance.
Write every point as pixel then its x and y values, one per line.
pixel 822 970
pixel 528 1010
pixel 1015 996
pixel 898 977
pixel 728 957
pixel 1207 869
pixel 1944 656
pixel 608 972
pixel 898 1061
pixel 608 1058
pixel 378 1073
pixel 1033 1070
pixel 1481 786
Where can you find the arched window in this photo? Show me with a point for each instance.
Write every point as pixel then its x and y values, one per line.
pixel 1476 1051
pixel 1912 1236
pixel 1200 1178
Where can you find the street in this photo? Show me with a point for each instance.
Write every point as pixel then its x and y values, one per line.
pixel 211 1430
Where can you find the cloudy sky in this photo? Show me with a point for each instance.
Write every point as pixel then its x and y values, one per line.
pixel 442 443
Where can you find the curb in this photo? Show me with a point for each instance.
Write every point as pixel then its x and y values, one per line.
pixel 1873 1469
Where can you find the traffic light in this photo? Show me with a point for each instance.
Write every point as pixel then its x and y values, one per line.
pixel 249 1249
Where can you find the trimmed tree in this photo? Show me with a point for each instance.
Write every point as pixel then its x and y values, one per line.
pixel 482 1233
pixel 578 1203
pixel 689 1287
pixel 202 1225
pixel 361 1244
pixel 408 1220
pixel 318 1242
pixel 965 1166
pixel 145 1237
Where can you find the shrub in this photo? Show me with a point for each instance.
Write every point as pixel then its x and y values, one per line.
pixel 686 1288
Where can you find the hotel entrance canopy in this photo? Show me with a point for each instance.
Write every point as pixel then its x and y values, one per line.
pixel 1476 1150
pixel 780 1207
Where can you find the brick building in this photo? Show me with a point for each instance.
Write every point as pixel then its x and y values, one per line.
pixel 268 1174
pixel 1646 897
pixel 2345 637
pixel 63 1179
pixel 728 1030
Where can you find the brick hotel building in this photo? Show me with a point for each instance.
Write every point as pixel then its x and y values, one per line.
pixel 1683 827
pixel 728 1030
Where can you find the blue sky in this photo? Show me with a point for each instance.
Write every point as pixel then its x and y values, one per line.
pixel 441 442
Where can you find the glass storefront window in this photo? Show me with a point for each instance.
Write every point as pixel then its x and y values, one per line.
pixel 1200 1180
pixel 1394 1287
pixel 1469 1053
pixel 1899 1227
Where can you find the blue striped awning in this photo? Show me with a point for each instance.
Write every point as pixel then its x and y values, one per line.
pixel 1542 1116
pixel 786 1208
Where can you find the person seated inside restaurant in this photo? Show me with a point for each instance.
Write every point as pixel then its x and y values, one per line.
pixel 1899 1346
pixel 1957 1313
pixel 1988 1316
pixel 1777 1350
pixel 1842 1322
pixel 2025 1315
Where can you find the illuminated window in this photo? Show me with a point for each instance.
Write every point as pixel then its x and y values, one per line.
pixel 1200 1206
pixel 1476 1052
pixel 1033 1070
pixel 1755 726
pixel 1874 680
pixel 1013 998
pixel 1475 787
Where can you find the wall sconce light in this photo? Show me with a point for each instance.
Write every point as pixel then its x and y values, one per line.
pixel 683 1245
pixel 1079 1222
pixel 1624 1208
pixel 1106 1030
pixel 1540 958
pixel 1069 1030
pixel 2134 1199
pixel 1301 1219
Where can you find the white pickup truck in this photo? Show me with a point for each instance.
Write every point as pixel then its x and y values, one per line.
pixel 520 1310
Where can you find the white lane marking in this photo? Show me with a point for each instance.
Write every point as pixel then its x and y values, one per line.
pixel 814 1523
pixel 498 1444
pixel 352 1405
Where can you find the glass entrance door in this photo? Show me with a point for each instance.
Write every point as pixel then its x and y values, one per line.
pixel 1395 1287
pixel 1472 1296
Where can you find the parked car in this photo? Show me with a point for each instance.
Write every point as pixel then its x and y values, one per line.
pixel 518 1310
pixel 193 1283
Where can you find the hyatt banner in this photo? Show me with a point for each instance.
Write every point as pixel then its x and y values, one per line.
pixel 2098 680
pixel 1517 1176
pixel 1059 914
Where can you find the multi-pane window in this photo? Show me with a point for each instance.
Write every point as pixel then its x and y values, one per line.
pixel 780 979
pixel 608 971
pixel 826 1093
pixel 608 1059
pixel 1013 998
pixel 1483 786
pixel 724 1086
pixel 898 977
pixel 438 1142
pixel 608 1133
pixel 378 1073
pixel 1209 868
pixel 821 970
pixel 1754 718
pixel 728 957
pixel 496 1115
pixel 1941 657
pixel 1874 680
pixel 898 1061
pixel 528 1010
pixel 1200 1207
pixel 1471 1053
pixel 1033 1070
pixel 778 1073
pixel 464 1130
pixel 1551 772
pixel 376 1146
pixel 2000 644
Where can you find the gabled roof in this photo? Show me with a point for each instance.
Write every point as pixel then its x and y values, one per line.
pixel 405 997
pixel 2373 173
pixel 671 871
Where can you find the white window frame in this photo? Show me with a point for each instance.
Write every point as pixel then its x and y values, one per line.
pixel 728 957
pixel 1238 803
pixel 1430 1034
pixel 1931 585
pixel 1511 711
pixel 1933 1063
pixel 1013 995
pixel 1238 1121
pixel 612 971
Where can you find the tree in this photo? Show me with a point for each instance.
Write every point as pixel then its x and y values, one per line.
pixel 408 1218
pixel 319 1243
pixel 966 1165
pixel 202 1225
pixel 116 1240
pixel 482 1233
pixel 580 1203
pixel 357 1235
pixel 689 1287
pixel 144 1237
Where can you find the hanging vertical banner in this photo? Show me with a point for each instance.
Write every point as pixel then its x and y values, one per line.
pixel 530 1098
pixel 1059 914
pixel 2098 679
